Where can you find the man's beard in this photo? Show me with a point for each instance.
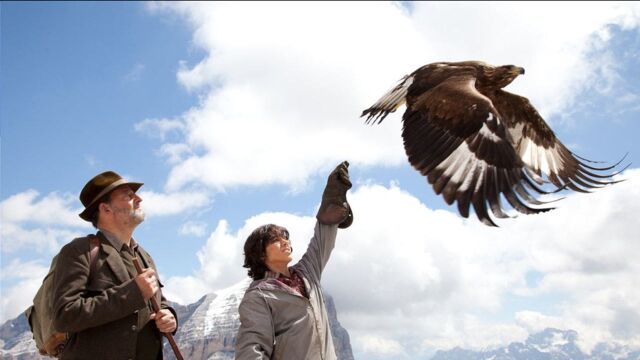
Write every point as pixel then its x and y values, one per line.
pixel 137 215
pixel 134 216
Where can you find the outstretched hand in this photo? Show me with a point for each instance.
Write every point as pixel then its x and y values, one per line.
pixel 334 208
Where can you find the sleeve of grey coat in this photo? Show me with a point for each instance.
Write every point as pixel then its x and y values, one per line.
pixel 320 248
pixel 256 335
pixel 73 310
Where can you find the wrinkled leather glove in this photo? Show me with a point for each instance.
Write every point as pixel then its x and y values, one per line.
pixel 334 208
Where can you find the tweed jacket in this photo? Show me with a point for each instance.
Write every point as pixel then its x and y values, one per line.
pixel 100 311
pixel 276 322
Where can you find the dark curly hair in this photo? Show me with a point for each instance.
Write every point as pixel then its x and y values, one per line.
pixel 256 245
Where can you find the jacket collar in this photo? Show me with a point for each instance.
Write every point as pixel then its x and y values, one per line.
pixel 272 274
pixel 270 282
pixel 117 243
pixel 114 259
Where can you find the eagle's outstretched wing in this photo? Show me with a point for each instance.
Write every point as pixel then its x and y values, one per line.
pixel 540 149
pixel 454 136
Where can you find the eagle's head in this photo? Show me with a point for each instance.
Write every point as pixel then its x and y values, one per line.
pixel 498 77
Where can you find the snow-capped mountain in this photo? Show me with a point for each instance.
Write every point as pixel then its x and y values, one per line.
pixel 550 344
pixel 207 329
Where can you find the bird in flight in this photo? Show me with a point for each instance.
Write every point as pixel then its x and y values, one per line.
pixel 476 143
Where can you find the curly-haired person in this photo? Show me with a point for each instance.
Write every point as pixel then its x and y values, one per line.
pixel 283 314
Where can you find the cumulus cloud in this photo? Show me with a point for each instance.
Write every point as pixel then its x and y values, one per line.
pixel 288 89
pixel 39 223
pixel 29 207
pixel 195 228
pixel 158 127
pixel 422 279
pixel 185 289
pixel 25 278
pixel 381 346
pixel 165 204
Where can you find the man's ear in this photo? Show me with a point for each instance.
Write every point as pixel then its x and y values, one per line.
pixel 105 207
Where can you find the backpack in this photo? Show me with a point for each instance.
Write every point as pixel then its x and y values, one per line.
pixel 40 315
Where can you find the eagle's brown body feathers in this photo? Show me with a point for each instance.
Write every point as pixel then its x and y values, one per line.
pixel 477 143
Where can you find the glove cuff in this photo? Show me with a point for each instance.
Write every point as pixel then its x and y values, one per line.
pixel 332 213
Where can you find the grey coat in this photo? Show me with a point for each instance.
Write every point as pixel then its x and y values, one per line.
pixel 278 323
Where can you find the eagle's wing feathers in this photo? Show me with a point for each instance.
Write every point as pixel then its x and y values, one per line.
pixel 541 151
pixel 453 135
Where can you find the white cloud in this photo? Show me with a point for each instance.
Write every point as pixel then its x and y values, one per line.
pixel 281 90
pixel 27 277
pixel 185 290
pixel 195 228
pixel 28 207
pixel 47 240
pixel 175 153
pixel 534 321
pixel 424 279
pixel 165 204
pixel 42 224
pixel 158 127
pixel 380 346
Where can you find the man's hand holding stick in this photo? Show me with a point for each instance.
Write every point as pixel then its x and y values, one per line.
pixel 158 314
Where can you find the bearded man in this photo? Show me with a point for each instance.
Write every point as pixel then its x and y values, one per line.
pixel 104 304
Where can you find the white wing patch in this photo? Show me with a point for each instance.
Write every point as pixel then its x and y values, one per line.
pixel 538 158
pixel 488 134
pixel 458 165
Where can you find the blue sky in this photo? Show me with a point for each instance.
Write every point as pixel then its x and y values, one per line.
pixel 233 114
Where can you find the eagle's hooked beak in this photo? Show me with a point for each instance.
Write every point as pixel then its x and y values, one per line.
pixel 519 70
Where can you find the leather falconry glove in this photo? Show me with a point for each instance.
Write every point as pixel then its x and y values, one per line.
pixel 334 208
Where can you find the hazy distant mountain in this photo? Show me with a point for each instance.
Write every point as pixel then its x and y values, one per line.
pixel 550 344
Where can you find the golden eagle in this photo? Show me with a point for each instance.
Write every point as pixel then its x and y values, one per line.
pixel 475 142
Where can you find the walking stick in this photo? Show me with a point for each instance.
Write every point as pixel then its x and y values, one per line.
pixel 156 308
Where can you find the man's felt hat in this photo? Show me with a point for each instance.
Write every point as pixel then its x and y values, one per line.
pixel 99 186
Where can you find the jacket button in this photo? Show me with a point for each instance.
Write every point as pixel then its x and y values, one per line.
pixel 134 328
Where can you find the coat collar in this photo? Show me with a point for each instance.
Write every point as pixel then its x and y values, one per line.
pixel 269 282
pixel 117 243
pixel 114 259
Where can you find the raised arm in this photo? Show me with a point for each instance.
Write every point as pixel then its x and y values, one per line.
pixel 335 212
pixel 334 208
